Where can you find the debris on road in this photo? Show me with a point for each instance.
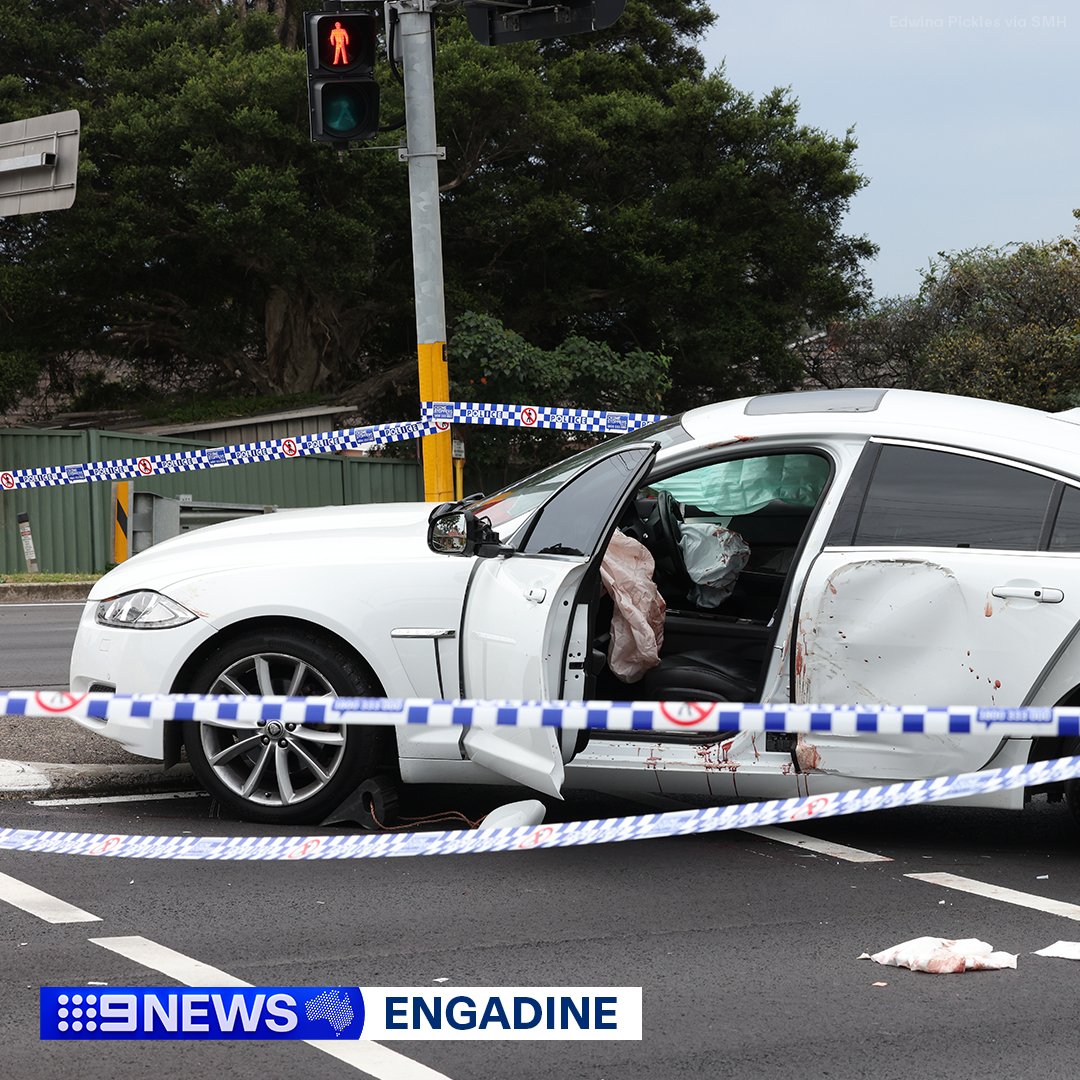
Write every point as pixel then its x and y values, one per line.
pixel 1067 950
pixel 943 956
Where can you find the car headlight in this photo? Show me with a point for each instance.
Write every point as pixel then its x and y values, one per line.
pixel 143 610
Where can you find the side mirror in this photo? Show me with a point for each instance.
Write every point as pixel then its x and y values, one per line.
pixel 459 532
pixel 448 534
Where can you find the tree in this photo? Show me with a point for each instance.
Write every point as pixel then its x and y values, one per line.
pixel 490 363
pixel 646 205
pixel 990 323
pixel 600 187
pixel 211 240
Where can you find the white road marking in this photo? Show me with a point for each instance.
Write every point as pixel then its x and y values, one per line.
pixel 91 800
pixel 822 847
pixel 999 892
pixel 41 904
pixel 369 1057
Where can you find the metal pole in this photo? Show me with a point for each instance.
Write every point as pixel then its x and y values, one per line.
pixel 27 542
pixel 422 155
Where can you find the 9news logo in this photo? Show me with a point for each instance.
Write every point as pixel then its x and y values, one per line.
pixel 206 1012
pixel 385 1012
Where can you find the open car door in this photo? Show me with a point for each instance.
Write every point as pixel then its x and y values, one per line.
pixel 526 628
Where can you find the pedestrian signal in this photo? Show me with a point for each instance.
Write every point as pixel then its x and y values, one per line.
pixel 343 97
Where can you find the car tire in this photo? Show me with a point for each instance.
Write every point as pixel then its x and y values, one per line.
pixel 295 775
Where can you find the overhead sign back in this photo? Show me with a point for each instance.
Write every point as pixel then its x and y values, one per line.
pixel 39 162
pixel 492 22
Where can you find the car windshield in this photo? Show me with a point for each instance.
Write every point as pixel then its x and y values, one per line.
pixel 507 510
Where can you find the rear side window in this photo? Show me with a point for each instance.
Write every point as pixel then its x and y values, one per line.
pixel 931 498
pixel 1067 526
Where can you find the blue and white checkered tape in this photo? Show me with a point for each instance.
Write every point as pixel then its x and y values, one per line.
pixel 217 457
pixel 595 715
pixel 436 417
pixel 556 835
pixel 535 416
pixel 578 715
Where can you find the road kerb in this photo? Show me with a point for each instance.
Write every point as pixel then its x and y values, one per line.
pixel 20 779
pixel 42 592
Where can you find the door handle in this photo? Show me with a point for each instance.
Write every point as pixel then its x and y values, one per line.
pixel 536 594
pixel 1037 593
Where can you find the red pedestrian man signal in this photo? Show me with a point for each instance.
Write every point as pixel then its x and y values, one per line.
pixel 339 38
pixel 343 97
pixel 341 44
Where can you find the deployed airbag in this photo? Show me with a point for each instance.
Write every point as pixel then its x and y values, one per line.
pixel 637 624
pixel 730 488
pixel 713 557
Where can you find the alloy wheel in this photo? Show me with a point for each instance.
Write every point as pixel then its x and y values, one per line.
pixel 277 763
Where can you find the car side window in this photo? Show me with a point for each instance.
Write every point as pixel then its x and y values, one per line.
pixel 932 498
pixel 1066 536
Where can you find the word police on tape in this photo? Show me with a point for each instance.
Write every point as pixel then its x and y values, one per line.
pixel 536 416
pixel 555 835
pixel 346 1013
pixel 579 715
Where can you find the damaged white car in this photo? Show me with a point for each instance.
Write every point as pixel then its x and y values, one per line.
pixel 848 546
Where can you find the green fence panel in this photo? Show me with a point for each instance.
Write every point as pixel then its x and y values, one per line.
pixel 388 480
pixel 60 518
pixel 72 525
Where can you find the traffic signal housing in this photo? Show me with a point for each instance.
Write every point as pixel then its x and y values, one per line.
pixel 536 20
pixel 343 97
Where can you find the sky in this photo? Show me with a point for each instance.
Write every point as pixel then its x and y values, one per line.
pixel 967 113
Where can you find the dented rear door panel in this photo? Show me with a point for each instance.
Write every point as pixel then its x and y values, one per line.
pixel 933 627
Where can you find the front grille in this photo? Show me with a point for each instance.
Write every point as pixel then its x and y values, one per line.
pixel 101 688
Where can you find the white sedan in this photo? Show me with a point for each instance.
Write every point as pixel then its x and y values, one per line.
pixel 880 546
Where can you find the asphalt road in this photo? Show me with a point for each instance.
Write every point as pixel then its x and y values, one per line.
pixel 35 646
pixel 35 643
pixel 747 950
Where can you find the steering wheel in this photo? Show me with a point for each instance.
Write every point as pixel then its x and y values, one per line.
pixel 667 528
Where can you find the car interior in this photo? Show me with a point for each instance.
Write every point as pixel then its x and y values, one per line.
pixel 715 650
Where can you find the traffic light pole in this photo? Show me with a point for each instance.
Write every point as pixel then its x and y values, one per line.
pixel 422 155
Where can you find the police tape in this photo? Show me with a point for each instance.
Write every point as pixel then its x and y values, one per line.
pixel 684 716
pixel 535 416
pixel 526 838
pixel 218 457
pixel 436 418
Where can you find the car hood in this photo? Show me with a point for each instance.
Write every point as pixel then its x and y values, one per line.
pixel 288 538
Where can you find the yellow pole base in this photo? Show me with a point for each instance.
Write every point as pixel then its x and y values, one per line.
pixel 436 449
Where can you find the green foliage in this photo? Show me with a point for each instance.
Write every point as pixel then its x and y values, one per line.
pixel 1010 325
pixel 489 363
pixel 211 240
pixel 578 373
pixel 990 323
pixel 18 373
pixel 601 191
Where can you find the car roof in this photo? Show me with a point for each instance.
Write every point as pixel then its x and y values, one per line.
pixel 1050 440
